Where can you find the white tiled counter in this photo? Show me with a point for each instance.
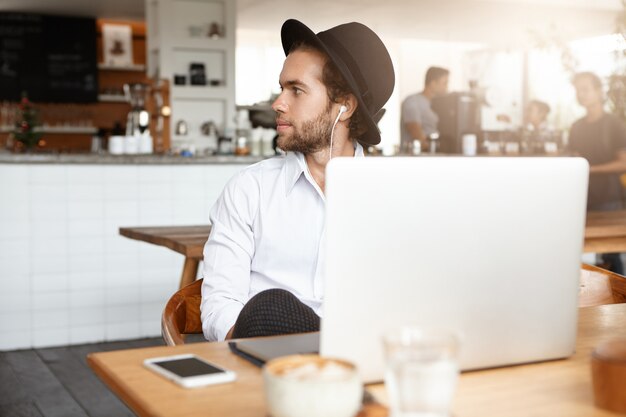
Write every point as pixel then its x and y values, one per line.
pixel 66 275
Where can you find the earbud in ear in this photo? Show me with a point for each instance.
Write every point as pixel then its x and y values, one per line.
pixel 342 109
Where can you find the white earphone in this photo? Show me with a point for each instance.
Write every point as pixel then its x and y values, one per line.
pixel 342 109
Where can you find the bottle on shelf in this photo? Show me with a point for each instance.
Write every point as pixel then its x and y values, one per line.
pixel 97 141
pixel 268 142
pixel 417 147
pixel 469 144
pixel 433 142
pixel 209 130
pixel 225 144
pixel 242 133
pixel 256 141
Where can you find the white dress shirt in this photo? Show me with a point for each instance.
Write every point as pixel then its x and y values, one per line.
pixel 267 232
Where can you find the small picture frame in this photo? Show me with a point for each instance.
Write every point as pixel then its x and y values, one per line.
pixel 117 42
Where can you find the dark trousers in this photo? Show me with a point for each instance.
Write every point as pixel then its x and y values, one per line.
pixel 610 261
pixel 275 312
pixel 613 262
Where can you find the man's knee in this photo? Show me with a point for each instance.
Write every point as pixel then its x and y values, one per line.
pixel 275 311
pixel 272 296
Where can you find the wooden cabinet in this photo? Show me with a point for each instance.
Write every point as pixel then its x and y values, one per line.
pixel 68 126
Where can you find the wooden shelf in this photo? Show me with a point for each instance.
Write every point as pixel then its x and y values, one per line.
pixel 134 68
pixel 111 98
pixel 256 107
pixel 200 43
pixel 199 92
pixel 68 130
pixel 75 130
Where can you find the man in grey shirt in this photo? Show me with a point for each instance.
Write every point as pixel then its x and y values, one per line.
pixel 418 120
pixel 600 138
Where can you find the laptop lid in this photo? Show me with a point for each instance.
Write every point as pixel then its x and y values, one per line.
pixel 488 247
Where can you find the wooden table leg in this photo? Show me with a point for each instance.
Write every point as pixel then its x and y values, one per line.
pixel 190 271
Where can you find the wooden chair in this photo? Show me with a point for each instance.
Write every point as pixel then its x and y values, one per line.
pixel 182 312
pixel 599 286
pixel 181 315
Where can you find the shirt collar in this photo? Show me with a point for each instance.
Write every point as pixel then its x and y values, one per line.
pixel 295 164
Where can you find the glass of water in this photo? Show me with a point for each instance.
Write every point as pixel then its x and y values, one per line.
pixel 422 371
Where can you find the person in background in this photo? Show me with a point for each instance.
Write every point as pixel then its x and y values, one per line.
pixel 536 115
pixel 418 120
pixel 600 138
pixel 264 259
pixel 536 136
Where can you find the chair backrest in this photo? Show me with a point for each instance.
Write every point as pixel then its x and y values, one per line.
pixel 599 286
pixel 182 314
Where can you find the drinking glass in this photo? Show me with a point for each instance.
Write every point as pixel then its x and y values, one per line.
pixel 422 371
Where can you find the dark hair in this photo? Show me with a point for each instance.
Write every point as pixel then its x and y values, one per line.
pixel 542 106
pixel 595 80
pixel 336 87
pixel 435 73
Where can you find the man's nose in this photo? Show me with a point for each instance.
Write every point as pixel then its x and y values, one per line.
pixel 279 104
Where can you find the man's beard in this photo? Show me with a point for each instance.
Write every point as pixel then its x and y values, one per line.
pixel 310 137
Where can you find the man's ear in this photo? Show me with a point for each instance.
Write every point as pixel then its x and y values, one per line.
pixel 351 104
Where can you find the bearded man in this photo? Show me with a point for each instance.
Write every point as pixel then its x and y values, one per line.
pixel 264 259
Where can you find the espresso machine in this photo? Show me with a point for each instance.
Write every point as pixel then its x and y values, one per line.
pixel 138 118
pixel 459 114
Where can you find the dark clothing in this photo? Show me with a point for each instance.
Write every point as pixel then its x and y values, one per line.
pixel 274 312
pixel 613 262
pixel 599 142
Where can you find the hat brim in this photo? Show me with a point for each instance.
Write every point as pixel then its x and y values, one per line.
pixel 295 31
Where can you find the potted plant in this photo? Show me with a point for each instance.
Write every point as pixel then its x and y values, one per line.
pixel 25 134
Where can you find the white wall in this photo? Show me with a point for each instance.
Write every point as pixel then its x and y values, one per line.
pixel 66 275
pixel 259 57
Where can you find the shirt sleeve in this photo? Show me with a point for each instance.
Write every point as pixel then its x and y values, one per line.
pixel 411 111
pixel 227 257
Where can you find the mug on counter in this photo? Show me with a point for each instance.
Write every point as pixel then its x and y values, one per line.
pixel 131 144
pixel 145 143
pixel 116 145
pixel 470 144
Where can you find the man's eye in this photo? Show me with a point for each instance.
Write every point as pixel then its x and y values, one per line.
pixel 297 91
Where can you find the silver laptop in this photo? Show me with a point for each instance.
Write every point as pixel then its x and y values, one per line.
pixel 487 247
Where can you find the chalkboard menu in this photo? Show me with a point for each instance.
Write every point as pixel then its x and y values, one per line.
pixel 52 58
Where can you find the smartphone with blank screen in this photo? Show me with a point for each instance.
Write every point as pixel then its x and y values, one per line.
pixel 189 370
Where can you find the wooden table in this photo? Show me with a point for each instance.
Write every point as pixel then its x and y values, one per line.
pixel 555 388
pixel 187 240
pixel 605 231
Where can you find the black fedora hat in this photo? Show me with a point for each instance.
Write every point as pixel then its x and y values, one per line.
pixel 361 58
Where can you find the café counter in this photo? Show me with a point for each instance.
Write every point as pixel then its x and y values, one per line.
pixel 107 159
pixel 66 275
